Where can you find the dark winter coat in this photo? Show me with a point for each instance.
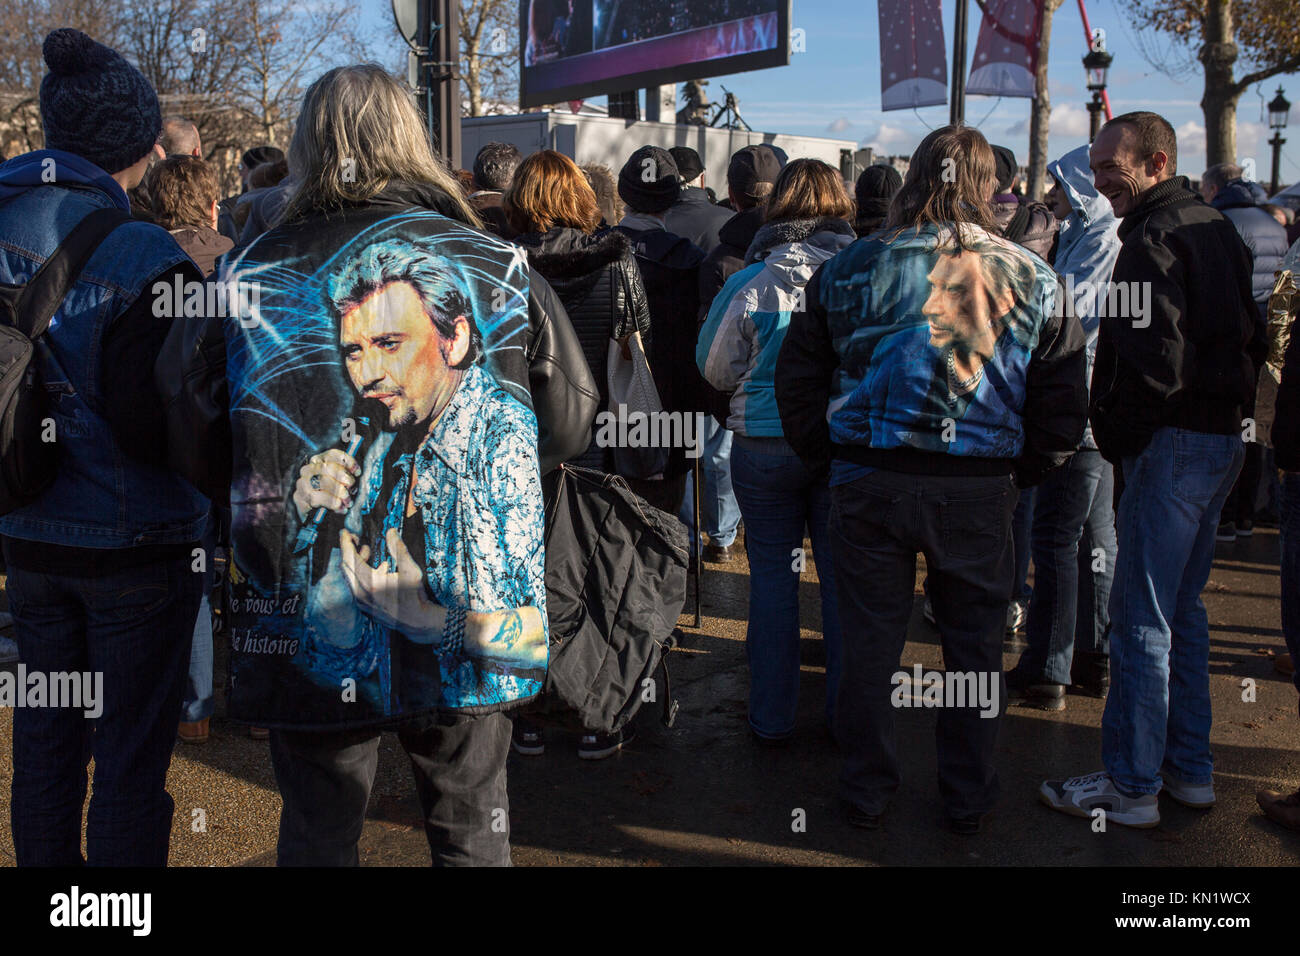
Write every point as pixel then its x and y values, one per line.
pixel 597 280
pixel 1185 364
pixel 1039 232
pixel 488 204
pixel 203 244
pixel 1263 235
pixel 694 217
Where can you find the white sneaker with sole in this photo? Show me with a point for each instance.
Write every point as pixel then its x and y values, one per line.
pixel 1199 796
pixel 1081 796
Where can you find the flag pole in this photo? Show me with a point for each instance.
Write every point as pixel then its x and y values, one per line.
pixel 957 108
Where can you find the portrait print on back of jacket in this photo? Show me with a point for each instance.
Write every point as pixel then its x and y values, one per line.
pixel 948 375
pixel 392 506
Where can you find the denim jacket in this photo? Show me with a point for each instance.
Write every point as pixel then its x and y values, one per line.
pixel 101 498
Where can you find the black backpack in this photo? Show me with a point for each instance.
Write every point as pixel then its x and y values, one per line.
pixel 28 452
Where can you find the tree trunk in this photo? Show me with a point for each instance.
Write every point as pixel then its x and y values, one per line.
pixel 1040 111
pixel 1219 102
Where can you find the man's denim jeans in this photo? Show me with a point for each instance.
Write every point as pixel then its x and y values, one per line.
pixel 779 497
pixel 719 512
pixel 134 627
pixel 1157 716
pixel 459 764
pixel 1074 562
pixel 1022 522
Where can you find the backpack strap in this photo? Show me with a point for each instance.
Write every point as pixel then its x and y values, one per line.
pixel 1019 224
pixel 43 295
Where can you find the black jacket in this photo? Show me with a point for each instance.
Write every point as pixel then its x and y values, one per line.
pixel 670 271
pixel 694 217
pixel 1285 433
pixel 191 370
pixel 488 204
pixel 1185 364
pixel 728 257
pixel 871 215
pixel 597 280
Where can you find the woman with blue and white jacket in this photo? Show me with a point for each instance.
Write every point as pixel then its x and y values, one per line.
pixel 807 222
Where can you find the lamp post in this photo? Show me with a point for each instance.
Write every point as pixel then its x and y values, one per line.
pixel 1096 63
pixel 1278 111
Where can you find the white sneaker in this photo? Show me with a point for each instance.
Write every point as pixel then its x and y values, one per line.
pixel 1199 796
pixel 1080 796
pixel 8 650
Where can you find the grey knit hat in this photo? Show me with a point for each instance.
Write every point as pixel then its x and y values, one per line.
pixel 95 104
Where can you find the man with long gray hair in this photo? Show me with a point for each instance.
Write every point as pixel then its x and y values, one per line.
pixel 398 384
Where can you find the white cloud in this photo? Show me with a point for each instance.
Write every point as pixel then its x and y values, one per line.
pixel 1191 138
pixel 887 138
pixel 838 126
pixel 1069 120
pixel 1018 129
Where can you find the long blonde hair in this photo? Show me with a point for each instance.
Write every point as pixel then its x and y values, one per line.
pixel 357 132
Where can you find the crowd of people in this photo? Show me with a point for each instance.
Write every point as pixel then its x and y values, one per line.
pixel 355 457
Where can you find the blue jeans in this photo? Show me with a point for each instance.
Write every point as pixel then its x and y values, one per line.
pixel 1021 523
pixel 1290 535
pixel 1157 716
pixel 778 497
pixel 719 512
pixel 134 627
pixel 198 703
pixel 1073 520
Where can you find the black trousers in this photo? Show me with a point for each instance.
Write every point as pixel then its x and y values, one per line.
pixel 460 774
pixel 878 524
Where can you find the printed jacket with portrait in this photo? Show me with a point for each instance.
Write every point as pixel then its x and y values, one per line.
pixel 859 381
pixel 258 394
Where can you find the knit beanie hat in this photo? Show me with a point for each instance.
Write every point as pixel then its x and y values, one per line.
pixel 878 182
pixel 1004 162
pixel 648 181
pixel 95 104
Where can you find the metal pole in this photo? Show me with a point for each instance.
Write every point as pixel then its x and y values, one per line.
pixel 957 108
pixel 1276 142
pixel 1087 39
pixel 699 544
pixel 1094 116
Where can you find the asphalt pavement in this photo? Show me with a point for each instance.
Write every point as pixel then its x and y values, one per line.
pixel 703 793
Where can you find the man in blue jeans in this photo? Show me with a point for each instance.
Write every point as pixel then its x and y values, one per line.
pixel 101 565
pixel 1172 375
pixel 719 513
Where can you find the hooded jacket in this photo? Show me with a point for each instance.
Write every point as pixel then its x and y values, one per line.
pixel 597 280
pixel 1263 235
pixel 1087 248
pixel 261 389
pixel 112 493
pixel 867 374
pixel 747 322
pixel 1180 360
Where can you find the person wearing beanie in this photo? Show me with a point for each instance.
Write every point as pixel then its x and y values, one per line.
pixel 100 563
pixel 649 183
pixel 874 191
pixel 694 215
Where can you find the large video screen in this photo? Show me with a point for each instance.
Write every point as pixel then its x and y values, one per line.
pixel 573 49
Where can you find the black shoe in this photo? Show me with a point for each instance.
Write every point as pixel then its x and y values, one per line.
pixel 1091 674
pixel 861 819
pixel 600 746
pixel 1045 695
pixel 1245 528
pixel 718 553
pixel 526 738
pixel 966 825
pixel 1227 532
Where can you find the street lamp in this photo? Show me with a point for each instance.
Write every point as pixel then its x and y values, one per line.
pixel 1096 63
pixel 1278 112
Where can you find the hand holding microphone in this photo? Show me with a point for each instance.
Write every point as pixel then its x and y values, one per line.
pixel 327 482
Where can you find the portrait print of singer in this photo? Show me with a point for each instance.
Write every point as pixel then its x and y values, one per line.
pixel 966 361
pixel 437 547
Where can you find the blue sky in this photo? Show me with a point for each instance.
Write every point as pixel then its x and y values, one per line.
pixel 833 89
